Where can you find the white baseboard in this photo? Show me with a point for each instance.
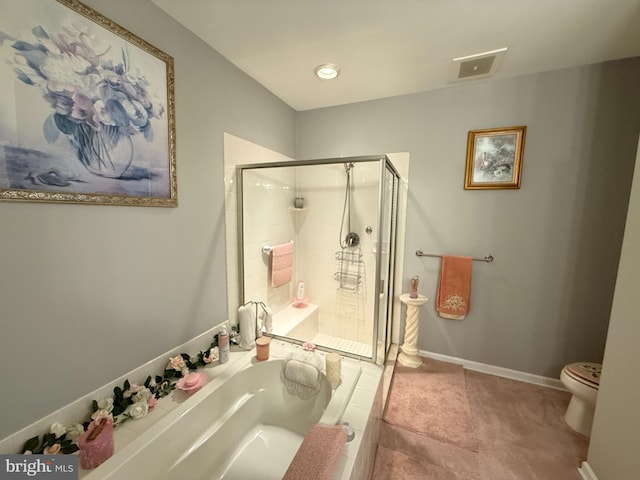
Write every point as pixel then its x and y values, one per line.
pixel 586 472
pixel 499 371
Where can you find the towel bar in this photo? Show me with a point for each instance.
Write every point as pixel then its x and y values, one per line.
pixel 487 258
pixel 266 249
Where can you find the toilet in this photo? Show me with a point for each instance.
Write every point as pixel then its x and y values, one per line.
pixel 582 379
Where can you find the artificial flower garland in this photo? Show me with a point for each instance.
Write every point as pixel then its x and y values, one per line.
pixel 131 402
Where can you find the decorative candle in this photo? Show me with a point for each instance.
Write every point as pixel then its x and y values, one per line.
pixel 262 348
pixel 96 444
pixel 333 367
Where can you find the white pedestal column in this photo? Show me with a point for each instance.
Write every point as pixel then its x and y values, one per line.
pixel 409 350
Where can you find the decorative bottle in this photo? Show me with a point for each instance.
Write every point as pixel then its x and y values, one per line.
pixel 223 346
pixel 413 284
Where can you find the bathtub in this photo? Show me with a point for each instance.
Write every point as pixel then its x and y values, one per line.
pixel 241 425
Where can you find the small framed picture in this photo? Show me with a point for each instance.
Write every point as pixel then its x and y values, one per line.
pixel 494 158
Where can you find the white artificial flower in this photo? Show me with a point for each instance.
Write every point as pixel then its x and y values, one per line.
pixel 213 355
pixel 142 394
pixel 106 404
pixel 75 431
pixel 137 410
pixel 57 429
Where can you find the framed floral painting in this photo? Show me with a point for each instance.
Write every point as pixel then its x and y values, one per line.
pixel 88 109
pixel 494 158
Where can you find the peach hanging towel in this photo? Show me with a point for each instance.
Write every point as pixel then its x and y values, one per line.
pixel 281 264
pixel 454 289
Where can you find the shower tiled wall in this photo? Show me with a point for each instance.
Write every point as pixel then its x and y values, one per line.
pixel 238 152
pixel 268 197
pixel 344 313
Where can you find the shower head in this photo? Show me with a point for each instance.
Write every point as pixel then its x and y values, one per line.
pixel 348 166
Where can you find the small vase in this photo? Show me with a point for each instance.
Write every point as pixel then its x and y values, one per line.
pixel 105 152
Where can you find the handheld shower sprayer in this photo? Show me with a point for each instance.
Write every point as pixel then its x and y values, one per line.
pixel 352 239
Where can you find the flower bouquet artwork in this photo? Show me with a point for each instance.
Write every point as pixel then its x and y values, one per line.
pixel 94 109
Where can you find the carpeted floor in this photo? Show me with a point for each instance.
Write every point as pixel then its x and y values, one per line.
pixel 442 422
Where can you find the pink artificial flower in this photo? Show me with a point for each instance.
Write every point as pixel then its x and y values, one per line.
pixel 99 415
pixel 53 449
pixel 308 346
pixel 176 363
pixel 133 388
pixel 152 402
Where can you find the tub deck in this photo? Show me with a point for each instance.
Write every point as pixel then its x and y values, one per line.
pixel 205 449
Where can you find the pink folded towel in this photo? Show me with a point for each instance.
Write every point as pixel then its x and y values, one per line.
pixel 319 453
pixel 454 290
pixel 281 264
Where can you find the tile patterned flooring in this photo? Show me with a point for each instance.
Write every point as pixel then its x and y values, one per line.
pixel 342 344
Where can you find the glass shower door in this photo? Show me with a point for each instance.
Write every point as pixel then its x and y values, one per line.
pixel 386 247
pixel 339 217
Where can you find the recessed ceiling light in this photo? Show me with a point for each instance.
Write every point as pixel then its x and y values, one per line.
pixel 327 71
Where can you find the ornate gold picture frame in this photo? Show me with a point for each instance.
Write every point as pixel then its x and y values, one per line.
pixel 91 109
pixel 494 158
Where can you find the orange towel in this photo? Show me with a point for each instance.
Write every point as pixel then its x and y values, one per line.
pixel 281 264
pixel 318 454
pixel 454 289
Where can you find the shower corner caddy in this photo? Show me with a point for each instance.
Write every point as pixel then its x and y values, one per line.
pixel 350 273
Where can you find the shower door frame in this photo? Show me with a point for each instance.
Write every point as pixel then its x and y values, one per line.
pixel 376 355
pixel 381 349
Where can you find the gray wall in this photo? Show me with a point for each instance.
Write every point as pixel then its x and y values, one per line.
pixel 88 293
pixel 546 299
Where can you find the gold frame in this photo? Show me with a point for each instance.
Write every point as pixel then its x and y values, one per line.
pixel 116 198
pixel 499 164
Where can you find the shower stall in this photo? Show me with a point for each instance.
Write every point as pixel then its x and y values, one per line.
pixel 338 217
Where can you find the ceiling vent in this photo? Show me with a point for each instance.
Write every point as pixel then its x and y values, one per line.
pixel 472 67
